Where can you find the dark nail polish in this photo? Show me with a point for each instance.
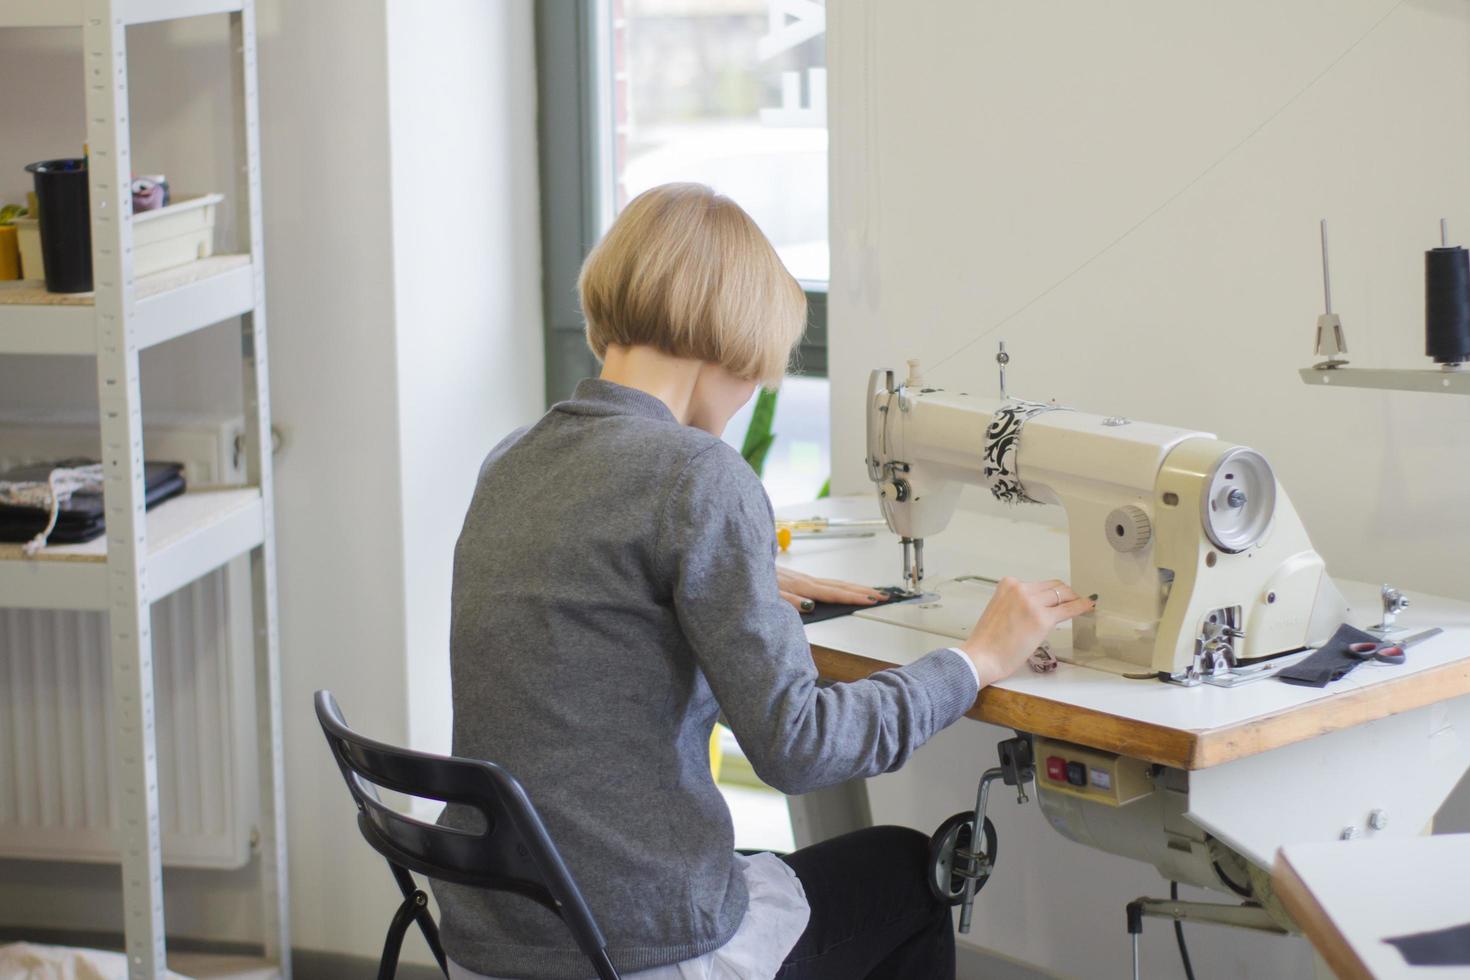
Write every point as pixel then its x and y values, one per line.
pixel 1093 597
pixel 807 605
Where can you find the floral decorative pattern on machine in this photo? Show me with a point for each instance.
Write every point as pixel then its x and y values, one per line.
pixel 1002 440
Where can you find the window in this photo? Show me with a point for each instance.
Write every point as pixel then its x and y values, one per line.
pixel 800 459
pixel 730 93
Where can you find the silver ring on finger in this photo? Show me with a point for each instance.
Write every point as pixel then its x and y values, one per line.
pixel 1058 594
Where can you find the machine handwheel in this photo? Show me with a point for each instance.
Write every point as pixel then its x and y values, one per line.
pixel 956 834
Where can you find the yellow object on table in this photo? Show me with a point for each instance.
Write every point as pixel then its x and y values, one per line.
pixel 9 252
pixel 822 527
pixel 716 754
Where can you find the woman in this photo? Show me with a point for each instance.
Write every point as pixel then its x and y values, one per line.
pixel 615 590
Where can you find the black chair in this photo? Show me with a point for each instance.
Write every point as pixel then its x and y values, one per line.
pixel 513 853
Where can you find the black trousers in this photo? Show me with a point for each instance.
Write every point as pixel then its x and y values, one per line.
pixel 872 915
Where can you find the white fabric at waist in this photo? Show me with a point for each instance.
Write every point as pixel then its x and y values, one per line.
pixel 774 920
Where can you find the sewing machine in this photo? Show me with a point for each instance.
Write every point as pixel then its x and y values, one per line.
pixel 1202 568
pixel 1206 578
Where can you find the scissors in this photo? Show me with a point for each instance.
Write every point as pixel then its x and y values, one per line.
pixel 1389 652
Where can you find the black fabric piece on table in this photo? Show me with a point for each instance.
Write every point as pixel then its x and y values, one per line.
pixel 1443 947
pixel 1331 662
pixel 824 611
pixel 81 518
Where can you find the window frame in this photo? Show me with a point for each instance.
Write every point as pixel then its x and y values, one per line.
pixel 575 169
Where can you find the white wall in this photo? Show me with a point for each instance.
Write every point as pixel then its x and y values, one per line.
pixel 329 276
pixel 467 272
pixel 405 340
pixel 1130 200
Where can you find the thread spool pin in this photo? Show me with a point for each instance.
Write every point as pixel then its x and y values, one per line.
pixel 1330 343
pixel 1326 273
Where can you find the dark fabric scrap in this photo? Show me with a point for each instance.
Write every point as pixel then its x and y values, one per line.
pixel 1331 662
pixel 1443 947
pixel 824 611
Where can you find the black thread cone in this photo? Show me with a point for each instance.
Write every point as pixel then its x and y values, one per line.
pixel 1447 304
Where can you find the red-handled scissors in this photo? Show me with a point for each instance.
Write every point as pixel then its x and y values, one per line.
pixel 1387 652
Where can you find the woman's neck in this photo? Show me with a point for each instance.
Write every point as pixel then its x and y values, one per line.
pixel 669 379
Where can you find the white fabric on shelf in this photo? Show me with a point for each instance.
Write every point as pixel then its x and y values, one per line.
pixel 32 961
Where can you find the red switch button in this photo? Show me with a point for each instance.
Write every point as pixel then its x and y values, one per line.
pixel 1056 768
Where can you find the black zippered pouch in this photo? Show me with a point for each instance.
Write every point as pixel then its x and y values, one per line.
pixel 82 517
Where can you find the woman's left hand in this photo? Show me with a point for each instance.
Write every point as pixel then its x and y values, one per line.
pixel 804 591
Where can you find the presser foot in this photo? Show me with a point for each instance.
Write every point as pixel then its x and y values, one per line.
pixel 919 594
pixel 903 594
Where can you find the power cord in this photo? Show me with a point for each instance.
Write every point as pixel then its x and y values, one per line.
pixel 1179 934
pixel 1240 890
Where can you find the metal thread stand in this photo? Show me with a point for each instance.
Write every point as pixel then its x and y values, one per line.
pixel 1447 379
pixel 104 26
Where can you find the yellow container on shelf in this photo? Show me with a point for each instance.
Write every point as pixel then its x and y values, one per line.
pixel 9 252
pixel 28 231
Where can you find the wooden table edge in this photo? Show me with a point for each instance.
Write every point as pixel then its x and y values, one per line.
pixel 1272 731
pixel 1315 923
pixel 1042 716
pixel 1187 748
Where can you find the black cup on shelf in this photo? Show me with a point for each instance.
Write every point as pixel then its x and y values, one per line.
pixel 66 224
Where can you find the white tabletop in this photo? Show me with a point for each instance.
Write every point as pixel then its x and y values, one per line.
pixel 1349 896
pixel 976 544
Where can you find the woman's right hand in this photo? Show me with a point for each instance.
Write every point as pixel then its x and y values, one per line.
pixel 1018 618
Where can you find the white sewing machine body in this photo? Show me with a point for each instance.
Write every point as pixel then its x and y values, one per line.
pixel 1200 563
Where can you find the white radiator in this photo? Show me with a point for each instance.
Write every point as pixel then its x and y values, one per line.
pixel 57 801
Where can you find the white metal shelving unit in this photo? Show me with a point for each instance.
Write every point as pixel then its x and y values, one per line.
pixel 145 556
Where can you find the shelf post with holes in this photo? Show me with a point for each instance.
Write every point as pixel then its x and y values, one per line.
pixel 258 445
pixel 109 174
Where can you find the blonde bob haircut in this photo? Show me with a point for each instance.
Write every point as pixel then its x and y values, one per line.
pixel 686 271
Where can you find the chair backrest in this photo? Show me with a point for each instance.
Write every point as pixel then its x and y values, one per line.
pixel 513 852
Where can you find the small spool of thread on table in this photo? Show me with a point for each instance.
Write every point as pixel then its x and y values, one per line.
pixel 1447 303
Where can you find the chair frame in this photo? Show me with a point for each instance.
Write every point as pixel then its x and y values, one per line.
pixel 512 853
